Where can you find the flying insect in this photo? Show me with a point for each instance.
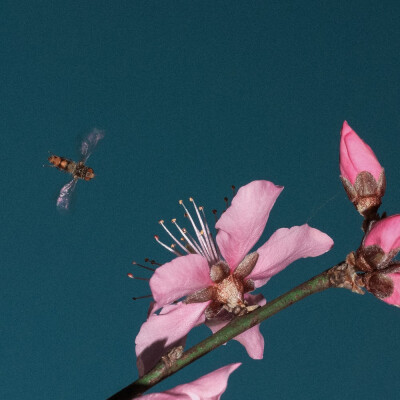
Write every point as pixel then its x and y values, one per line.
pixel 78 170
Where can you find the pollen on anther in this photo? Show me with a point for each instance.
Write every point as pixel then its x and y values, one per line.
pixel 180 201
pixel 173 220
pixel 190 198
pixel 161 221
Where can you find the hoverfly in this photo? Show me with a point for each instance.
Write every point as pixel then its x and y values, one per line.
pixel 78 170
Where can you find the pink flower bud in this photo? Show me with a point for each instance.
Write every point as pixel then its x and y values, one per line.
pixel 375 256
pixel 385 234
pixel 356 156
pixel 362 176
pixel 380 245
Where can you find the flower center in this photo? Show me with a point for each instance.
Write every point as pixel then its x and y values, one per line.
pixel 230 293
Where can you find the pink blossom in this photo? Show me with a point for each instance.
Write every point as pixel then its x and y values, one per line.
pixel 215 276
pixel 208 387
pixel 356 156
pixel 385 234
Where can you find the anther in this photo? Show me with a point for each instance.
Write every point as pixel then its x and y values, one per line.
pixel 226 202
pixel 152 262
pixel 233 189
pixel 215 212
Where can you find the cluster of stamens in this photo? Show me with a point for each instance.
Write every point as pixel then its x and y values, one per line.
pixel 204 245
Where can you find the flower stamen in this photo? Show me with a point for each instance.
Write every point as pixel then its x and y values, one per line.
pixel 161 222
pixel 142 297
pixel 165 246
pixel 205 244
pixel 152 262
pixel 142 266
pixel 214 246
pixel 189 239
pixel 196 230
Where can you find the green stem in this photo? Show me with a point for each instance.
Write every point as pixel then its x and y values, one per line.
pixel 235 327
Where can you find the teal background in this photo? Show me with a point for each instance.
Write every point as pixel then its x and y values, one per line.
pixel 194 96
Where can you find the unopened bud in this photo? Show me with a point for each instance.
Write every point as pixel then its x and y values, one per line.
pixel 362 176
pixel 380 245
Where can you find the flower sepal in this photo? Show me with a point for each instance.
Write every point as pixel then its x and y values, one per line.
pixel 383 284
pixel 366 193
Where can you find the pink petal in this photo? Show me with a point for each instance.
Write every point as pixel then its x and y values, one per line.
pixel 385 234
pixel 356 156
pixel 253 342
pixel 208 387
pixel 162 332
pixel 252 339
pixel 394 299
pixel 253 299
pixel 284 247
pixel 180 277
pixel 242 224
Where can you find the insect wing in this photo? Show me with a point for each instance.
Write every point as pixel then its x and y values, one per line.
pixel 89 143
pixel 64 199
